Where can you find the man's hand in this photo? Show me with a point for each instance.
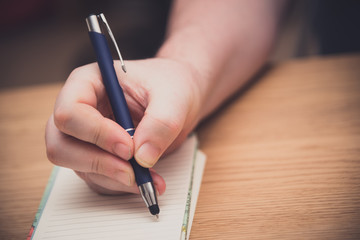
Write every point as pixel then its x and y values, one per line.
pixel 164 102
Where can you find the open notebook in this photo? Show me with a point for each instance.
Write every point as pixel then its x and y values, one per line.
pixel 70 210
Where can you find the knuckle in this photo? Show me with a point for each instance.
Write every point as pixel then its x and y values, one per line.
pixel 75 72
pixel 96 188
pixel 52 143
pixel 52 153
pixel 171 127
pixel 96 135
pixel 96 166
pixel 62 117
pixel 81 175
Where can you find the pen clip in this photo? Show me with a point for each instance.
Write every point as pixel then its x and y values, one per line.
pixel 103 19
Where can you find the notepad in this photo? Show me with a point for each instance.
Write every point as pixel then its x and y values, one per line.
pixel 70 210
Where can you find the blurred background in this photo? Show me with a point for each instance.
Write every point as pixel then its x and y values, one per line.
pixel 41 41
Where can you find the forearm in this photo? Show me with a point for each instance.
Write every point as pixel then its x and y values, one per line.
pixel 225 42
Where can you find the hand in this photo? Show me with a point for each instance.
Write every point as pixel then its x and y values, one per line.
pixel 164 102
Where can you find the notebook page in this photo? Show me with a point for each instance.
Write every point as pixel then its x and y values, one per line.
pixel 73 211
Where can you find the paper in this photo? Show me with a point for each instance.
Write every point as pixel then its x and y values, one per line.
pixel 73 211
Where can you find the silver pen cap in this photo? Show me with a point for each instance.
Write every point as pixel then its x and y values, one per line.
pixel 147 191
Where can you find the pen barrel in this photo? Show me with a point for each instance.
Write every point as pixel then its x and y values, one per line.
pixel 110 80
pixel 142 175
pixel 116 97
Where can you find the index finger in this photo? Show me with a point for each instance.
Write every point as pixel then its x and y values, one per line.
pixel 81 110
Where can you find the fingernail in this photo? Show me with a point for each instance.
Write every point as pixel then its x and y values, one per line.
pixel 122 150
pixel 124 178
pixel 147 155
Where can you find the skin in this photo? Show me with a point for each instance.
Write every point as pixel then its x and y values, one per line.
pixel 212 48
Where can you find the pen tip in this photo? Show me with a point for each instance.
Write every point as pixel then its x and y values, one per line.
pixel 123 68
pixel 157 216
pixel 154 209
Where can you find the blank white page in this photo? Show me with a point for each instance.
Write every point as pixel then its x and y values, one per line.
pixel 73 211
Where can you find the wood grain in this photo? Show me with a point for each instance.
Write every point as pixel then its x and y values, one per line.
pixel 24 167
pixel 283 157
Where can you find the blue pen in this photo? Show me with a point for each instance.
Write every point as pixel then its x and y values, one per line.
pixel 118 103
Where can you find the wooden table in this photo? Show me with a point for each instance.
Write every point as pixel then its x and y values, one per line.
pixel 283 157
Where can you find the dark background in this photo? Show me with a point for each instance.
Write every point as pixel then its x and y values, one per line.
pixel 41 41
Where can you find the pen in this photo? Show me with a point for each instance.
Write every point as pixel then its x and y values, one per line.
pixel 118 103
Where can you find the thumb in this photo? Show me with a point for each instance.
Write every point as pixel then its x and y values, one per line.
pixel 161 124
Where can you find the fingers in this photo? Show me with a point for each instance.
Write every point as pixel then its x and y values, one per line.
pixel 69 152
pixel 105 185
pixel 157 130
pixel 76 114
pixel 158 181
pixel 104 172
pixel 80 136
pixel 86 123
pixel 170 106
